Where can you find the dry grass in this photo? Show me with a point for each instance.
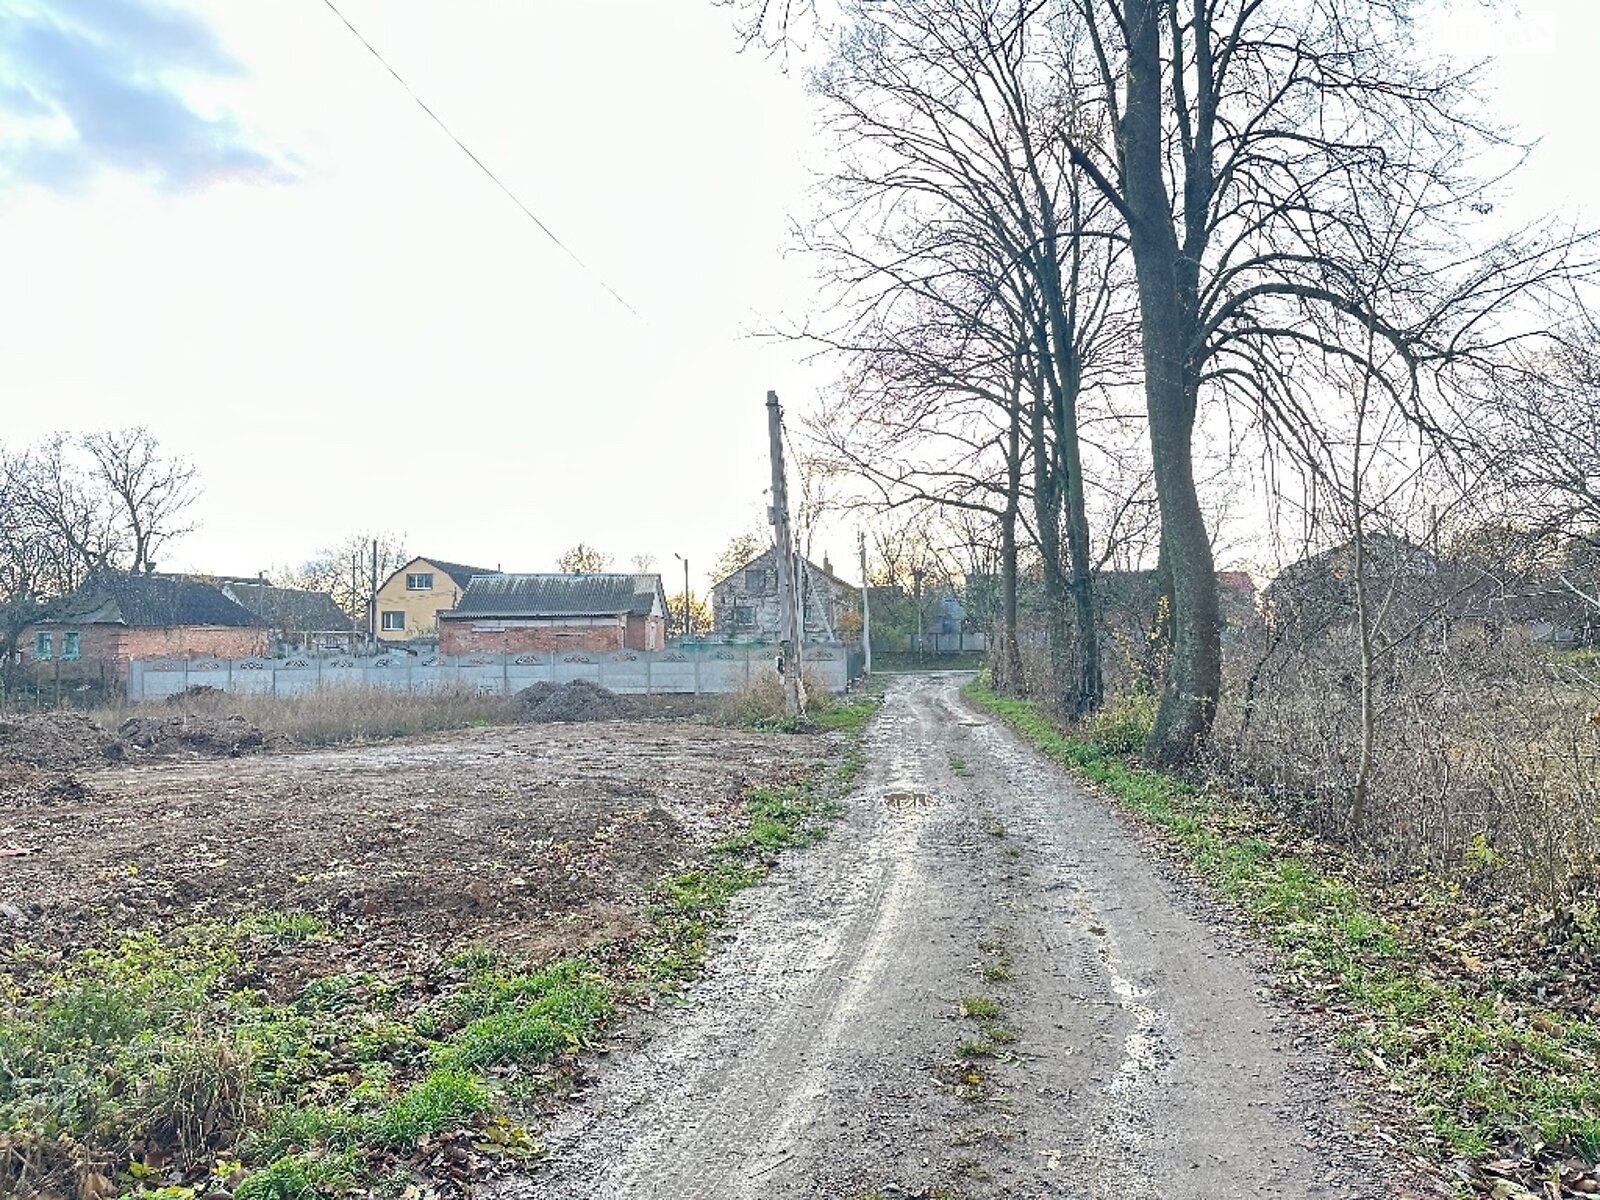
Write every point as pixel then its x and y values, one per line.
pixel 1486 757
pixel 760 702
pixel 332 716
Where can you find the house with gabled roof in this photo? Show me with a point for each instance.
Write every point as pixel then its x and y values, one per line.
pixel 745 603
pixel 512 614
pixel 119 616
pixel 410 600
pixel 296 618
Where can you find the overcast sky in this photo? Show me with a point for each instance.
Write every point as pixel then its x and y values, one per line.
pixel 225 220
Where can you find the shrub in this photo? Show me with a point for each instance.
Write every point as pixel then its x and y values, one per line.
pixel 1122 726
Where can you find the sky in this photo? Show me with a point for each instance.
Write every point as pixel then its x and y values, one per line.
pixel 226 220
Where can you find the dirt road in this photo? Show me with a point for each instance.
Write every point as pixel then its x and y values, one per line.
pixel 820 1055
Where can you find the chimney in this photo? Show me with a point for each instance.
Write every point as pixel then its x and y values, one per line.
pixel 827 567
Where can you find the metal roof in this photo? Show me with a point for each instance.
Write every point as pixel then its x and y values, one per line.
pixel 597 595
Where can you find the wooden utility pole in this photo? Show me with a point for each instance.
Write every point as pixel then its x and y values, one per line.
pixel 372 602
pixel 794 700
pixel 866 605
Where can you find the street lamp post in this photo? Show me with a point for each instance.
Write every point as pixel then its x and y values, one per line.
pixel 688 621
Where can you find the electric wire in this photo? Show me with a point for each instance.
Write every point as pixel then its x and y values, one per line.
pixel 482 166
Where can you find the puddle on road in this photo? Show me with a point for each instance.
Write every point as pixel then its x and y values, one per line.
pixel 903 801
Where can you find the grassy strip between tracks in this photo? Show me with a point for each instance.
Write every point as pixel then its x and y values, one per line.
pixel 179 1066
pixel 1491 1074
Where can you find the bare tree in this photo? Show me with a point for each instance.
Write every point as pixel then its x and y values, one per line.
pixel 583 559
pixel 345 570
pixel 975 262
pixel 151 490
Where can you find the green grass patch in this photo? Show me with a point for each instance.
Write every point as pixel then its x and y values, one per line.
pixel 1484 1075
pixel 900 661
pixel 979 1008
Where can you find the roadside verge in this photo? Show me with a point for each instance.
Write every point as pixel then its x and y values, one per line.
pixel 1492 1087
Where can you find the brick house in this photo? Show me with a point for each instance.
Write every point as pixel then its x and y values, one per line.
pixel 93 633
pixel 516 613
pixel 745 602
pixel 411 599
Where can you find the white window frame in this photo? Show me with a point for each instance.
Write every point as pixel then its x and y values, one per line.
pixel 419 587
pixel 384 624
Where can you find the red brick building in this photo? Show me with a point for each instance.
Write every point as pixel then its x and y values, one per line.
pixel 93 633
pixel 517 613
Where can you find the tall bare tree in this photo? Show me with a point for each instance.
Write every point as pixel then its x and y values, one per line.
pixel 151 489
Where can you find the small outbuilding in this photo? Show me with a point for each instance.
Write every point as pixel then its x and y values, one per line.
pixel 515 613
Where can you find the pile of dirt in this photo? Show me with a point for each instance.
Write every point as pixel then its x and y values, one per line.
pixel 55 741
pixel 194 692
pixel 230 736
pixel 577 700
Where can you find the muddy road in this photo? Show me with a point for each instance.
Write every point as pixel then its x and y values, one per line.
pixel 823 1054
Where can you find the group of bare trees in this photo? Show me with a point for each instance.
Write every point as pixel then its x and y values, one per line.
pixel 1066 237
pixel 71 505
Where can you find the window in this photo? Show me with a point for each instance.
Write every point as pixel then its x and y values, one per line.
pixel 744 616
pixel 41 645
pixel 422 581
pixel 69 644
pixel 394 620
pixel 755 581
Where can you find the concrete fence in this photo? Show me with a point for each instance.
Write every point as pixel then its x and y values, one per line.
pixel 949 643
pixel 693 670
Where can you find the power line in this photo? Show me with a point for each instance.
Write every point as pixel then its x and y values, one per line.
pixel 548 232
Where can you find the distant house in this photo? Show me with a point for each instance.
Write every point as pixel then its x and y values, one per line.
pixel 117 617
pixel 516 613
pixel 410 601
pixel 1415 586
pixel 295 618
pixel 745 602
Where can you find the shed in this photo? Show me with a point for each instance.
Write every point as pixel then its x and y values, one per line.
pixel 554 612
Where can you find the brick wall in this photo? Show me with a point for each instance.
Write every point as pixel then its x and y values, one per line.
pixel 104 650
pixel 507 637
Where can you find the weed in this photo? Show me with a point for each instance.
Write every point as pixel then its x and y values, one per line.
pixel 976 1049
pixel 527 1019
pixel 301 1176
pixel 1000 1035
pixel 284 928
pixel 979 1008
pixel 994 827
pixel 958 765
pixel 445 1100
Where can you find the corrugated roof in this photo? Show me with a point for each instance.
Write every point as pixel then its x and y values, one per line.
pixel 289 608
pixel 121 598
pixel 557 596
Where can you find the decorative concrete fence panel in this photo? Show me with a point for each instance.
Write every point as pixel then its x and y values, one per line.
pixel 697 669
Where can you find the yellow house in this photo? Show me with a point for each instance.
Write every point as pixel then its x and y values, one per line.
pixel 410 600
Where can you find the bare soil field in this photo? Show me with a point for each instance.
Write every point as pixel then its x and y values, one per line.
pixel 530 838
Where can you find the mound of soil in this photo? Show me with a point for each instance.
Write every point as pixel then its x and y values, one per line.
pixel 195 691
pixel 577 700
pixel 229 736
pixel 55 741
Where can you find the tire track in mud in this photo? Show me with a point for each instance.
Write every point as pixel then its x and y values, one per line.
pixel 816 1058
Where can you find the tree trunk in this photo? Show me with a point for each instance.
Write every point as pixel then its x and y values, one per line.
pixel 1008 662
pixel 1168 321
pixel 1047 514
